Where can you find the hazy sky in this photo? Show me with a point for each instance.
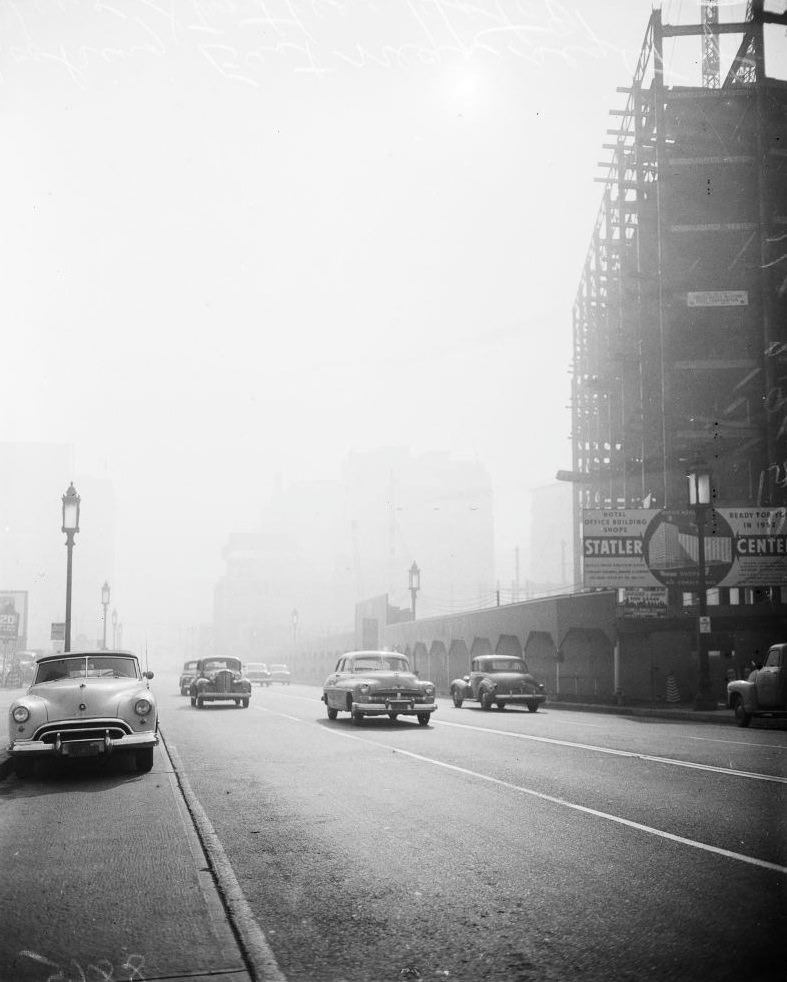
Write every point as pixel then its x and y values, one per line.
pixel 242 239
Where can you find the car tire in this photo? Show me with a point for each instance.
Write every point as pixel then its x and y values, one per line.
pixel 193 701
pixel 23 768
pixel 423 719
pixel 144 759
pixel 742 718
pixel 532 707
pixel 332 713
pixel 458 698
pixel 245 703
pixel 393 716
pixel 501 704
pixel 355 717
pixel 200 702
pixel 486 699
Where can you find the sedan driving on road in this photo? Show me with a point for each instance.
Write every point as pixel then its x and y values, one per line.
pixel 84 704
pixel 377 683
pixel 220 680
pixel 499 680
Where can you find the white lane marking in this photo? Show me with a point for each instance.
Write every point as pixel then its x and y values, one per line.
pixel 739 743
pixel 673 761
pixel 681 840
pixel 621 753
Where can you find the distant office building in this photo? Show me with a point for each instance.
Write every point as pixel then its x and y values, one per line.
pixel 324 546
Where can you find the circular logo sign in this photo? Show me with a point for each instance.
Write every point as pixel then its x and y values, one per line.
pixel 671 548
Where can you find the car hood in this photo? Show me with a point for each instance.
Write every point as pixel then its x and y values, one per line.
pixel 100 697
pixel 384 679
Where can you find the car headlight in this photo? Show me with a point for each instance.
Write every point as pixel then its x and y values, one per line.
pixel 429 691
pixel 142 707
pixel 21 714
pixel 364 689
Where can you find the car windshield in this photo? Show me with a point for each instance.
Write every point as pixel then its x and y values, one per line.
pixel 95 666
pixel 256 666
pixel 189 666
pixel 387 663
pixel 503 665
pixel 215 664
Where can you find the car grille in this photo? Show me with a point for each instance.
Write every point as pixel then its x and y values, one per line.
pixel 396 695
pixel 222 682
pixel 82 730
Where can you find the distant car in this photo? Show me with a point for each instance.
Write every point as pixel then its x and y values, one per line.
pixel 499 680
pixel 187 676
pixel 220 680
pixel 280 673
pixel 377 683
pixel 83 705
pixel 258 673
pixel 764 692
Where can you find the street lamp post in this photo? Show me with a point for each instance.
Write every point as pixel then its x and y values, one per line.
pixel 105 604
pixel 699 479
pixel 415 583
pixel 114 629
pixel 71 502
pixel 294 621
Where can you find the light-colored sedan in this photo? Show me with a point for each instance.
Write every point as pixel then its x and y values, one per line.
pixel 84 705
pixel 377 683
pixel 280 673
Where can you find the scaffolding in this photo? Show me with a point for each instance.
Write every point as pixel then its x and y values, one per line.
pixel 680 318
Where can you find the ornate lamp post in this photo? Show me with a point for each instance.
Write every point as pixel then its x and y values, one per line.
pixel 414 577
pixel 699 478
pixel 71 501
pixel 114 629
pixel 105 604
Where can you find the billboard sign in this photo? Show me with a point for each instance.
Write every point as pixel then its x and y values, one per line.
pixel 639 548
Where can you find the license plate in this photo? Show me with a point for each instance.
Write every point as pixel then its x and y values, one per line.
pixel 86 748
pixel 393 704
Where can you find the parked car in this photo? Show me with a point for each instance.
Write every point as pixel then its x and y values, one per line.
pixel 377 683
pixel 82 705
pixel 220 680
pixel 188 675
pixel 280 673
pixel 500 680
pixel 258 673
pixel 764 692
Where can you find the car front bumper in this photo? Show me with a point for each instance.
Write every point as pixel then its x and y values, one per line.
pixel 212 696
pixel 404 707
pixel 536 697
pixel 91 747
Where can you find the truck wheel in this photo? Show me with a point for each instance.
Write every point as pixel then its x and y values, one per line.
pixel 742 718
pixel 423 719
pixel 456 695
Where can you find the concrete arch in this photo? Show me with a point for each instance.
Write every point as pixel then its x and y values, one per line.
pixel 586 672
pixel 458 659
pixel 541 656
pixel 419 661
pixel 480 646
pixel 509 644
pixel 438 667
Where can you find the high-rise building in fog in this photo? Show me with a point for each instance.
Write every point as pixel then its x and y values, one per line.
pixel 323 546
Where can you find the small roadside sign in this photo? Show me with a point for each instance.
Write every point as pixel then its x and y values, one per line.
pixel 704 625
pixel 9 625
pixel 58 632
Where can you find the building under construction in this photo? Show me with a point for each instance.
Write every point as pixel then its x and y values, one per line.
pixel 680 320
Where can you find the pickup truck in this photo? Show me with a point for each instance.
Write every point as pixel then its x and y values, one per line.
pixel 764 692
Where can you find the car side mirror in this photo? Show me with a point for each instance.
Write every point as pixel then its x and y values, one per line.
pixel 147 675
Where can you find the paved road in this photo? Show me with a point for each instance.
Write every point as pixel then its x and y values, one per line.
pixel 501 846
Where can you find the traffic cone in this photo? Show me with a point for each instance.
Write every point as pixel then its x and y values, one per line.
pixel 673 695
